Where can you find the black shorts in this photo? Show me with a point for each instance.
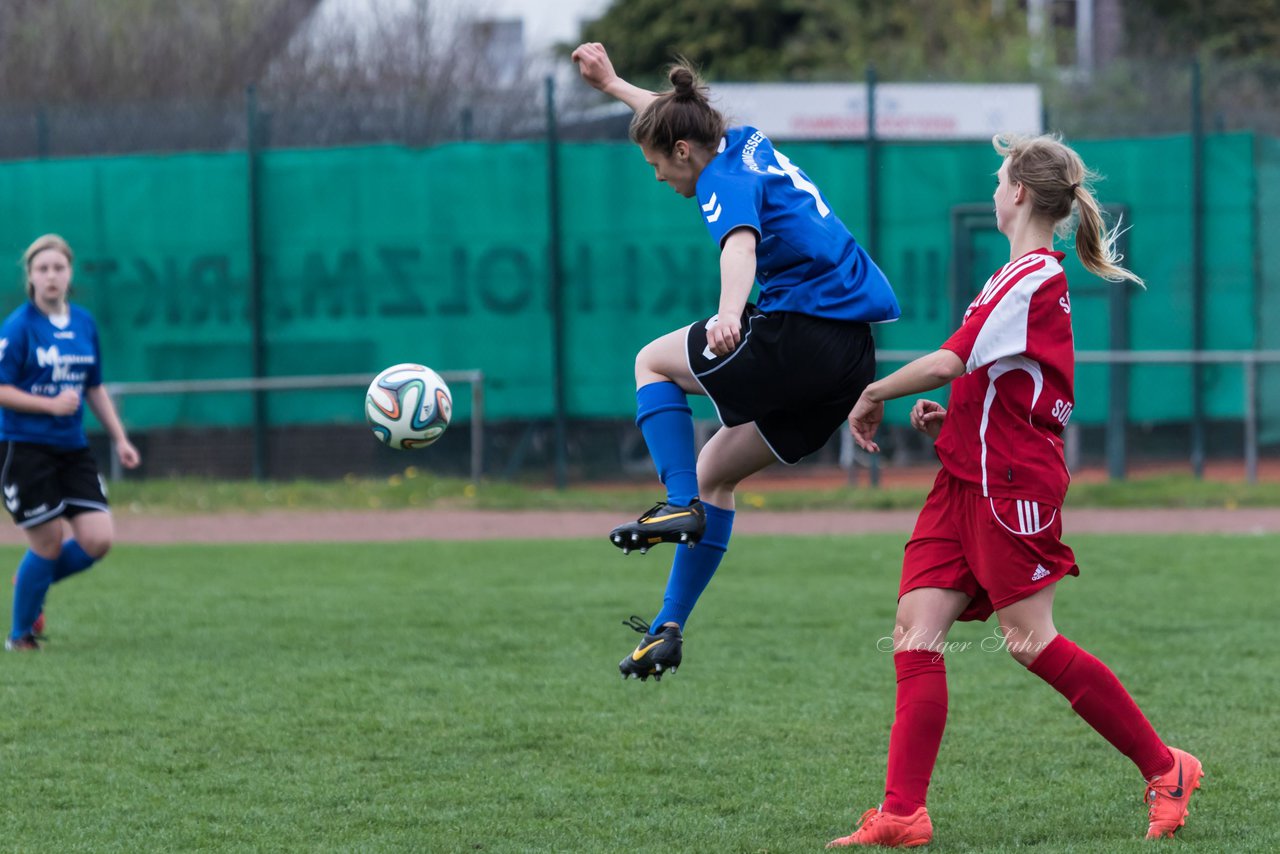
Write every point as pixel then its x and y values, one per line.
pixel 794 375
pixel 43 482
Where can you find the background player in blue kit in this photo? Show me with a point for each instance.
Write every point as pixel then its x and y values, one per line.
pixel 49 362
pixel 783 374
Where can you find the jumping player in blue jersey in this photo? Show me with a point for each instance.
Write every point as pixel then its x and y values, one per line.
pixel 783 373
pixel 49 363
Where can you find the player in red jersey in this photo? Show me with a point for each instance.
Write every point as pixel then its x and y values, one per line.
pixel 988 539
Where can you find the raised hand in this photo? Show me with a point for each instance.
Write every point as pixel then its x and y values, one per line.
pixel 594 64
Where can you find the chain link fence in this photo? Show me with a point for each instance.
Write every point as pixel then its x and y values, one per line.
pixel 1123 101
pixel 1155 98
pixel 1126 99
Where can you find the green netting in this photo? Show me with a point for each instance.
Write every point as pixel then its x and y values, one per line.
pixel 376 255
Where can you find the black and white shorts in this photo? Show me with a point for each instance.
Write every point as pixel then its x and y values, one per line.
pixel 796 376
pixel 43 482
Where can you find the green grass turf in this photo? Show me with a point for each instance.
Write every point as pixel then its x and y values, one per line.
pixel 461 697
pixel 417 488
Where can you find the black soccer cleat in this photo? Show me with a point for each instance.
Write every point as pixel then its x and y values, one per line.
pixel 662 523
pixel 657 655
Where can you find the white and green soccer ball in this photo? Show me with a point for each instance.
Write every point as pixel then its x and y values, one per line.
pixel 408 406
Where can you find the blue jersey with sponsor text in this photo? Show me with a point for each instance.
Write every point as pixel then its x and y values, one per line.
pixel 806 260
pixel 43 355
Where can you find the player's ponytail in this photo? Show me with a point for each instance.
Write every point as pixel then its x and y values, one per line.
pixel 1095 243
pixel 682 112
pixel 40 244
pixel 1058 182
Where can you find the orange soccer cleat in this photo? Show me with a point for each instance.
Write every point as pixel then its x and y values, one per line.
pixel 1167 795
pixel 889 830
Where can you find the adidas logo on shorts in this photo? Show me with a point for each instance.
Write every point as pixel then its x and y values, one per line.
pixel 1040 572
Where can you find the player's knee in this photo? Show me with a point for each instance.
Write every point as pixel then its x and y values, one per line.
pixel 1023 656
pixel 910 636
pixel 1021 644
pixel 96 547
pixel 645 363
pixel 47 550
pixel 902 637
pixel 46 544
pixel 713 478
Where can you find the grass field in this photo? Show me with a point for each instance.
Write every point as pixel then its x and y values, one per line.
pixel 416 488
pixel 460 697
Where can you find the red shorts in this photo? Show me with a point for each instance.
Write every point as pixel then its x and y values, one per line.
pixel 996 550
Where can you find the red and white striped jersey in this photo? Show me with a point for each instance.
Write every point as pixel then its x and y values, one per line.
pixel 1003 430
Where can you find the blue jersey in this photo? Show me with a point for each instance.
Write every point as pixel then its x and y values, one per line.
pixel 42 357
pixel 806 260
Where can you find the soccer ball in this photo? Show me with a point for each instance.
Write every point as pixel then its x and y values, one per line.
pixel 408 406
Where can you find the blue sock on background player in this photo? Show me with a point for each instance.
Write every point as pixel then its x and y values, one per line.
pixel 666 421
pixel 692 569
pixel 72 560
pixel 35 574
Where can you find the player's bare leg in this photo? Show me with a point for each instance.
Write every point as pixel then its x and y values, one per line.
pixel 1027 625
pixel 731 456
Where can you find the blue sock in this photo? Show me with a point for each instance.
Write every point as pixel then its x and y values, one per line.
pixel 666 421
pixel 35 574
pixel 72 560
pixel 692 569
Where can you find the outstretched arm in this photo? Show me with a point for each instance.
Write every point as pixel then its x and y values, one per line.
pixel 597 70
pixel 924 374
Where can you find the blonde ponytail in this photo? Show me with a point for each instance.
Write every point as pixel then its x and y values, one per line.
pixel 1058 183
pixel 1096 244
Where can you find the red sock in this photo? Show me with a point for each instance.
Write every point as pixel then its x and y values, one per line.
pixel 1097 696
pixel 919 718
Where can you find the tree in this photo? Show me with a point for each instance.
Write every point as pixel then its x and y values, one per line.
pixel 420 72
pixel 1221 29
pixel 81 76
pixel 68 51
pixel 806 40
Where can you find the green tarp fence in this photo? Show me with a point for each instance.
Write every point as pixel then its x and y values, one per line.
pixel 376 255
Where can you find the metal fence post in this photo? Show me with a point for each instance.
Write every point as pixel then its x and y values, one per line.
pixel 42 132
pixel 1118 384
pixel 258 343
pixel 477 428
pixel 873 209
pixel 260 385
pixel 557 286
pixel 1251 419
pixel 1197 275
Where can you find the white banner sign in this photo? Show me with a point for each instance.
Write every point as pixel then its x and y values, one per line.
pixel 903 110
